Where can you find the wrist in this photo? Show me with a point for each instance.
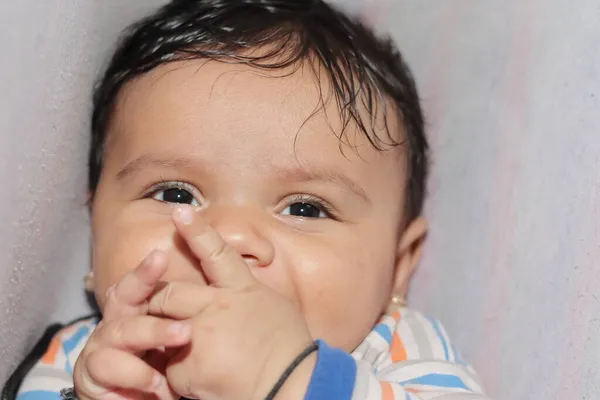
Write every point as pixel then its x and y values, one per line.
pixel 287 371
pixel 296 385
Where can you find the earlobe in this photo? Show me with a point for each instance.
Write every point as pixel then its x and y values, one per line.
pixel 410 249
pixel 89 282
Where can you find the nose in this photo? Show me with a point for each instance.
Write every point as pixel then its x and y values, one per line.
pixel 242 229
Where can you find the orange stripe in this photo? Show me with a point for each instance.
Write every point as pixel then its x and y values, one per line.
pixel 395 315
pixel 50 356
pixel 387 393
pixel 397 349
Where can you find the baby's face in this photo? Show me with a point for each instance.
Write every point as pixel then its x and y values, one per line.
pixel 319 225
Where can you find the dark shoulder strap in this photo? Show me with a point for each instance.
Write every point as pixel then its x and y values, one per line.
pixel 12 385
pixel 11 388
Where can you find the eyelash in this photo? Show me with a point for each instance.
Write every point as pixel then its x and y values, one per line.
pixel 300 198
pixel 166 185
pixel 316 202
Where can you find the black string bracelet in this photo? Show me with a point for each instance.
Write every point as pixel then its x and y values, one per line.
pixel 288 371
pixel 69 393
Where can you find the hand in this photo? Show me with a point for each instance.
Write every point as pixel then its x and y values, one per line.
pixel 244 334
pixel 116 362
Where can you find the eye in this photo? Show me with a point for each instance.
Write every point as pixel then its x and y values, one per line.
pixel 307 207
pixel 174 192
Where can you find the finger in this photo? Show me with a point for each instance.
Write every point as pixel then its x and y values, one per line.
pixel 111 370
pixel 221 263
pixel 180 300
pixel 142 333
pixel 127 297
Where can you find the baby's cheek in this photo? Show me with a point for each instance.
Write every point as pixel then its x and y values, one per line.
pixel 344 294
pixel 121 249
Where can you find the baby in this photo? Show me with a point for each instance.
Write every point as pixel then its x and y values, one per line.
pixel 256 179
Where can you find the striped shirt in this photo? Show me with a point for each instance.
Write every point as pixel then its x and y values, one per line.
pixel 407 356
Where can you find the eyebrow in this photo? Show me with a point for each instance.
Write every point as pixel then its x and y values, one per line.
pixel 327 175
pixel 143 162
pixel 296 174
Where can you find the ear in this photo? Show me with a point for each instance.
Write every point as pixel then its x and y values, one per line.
pixel 89 282
pixel 410 249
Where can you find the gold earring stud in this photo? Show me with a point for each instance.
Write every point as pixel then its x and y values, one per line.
pixel 88 281
pixel 399 301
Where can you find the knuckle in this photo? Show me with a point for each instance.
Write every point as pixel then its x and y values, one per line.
pixel 92 369
pixel 221 251
pixel 118 331
pixel 98 335
pixel 79 368
pixel 92 359
pixel 83 382
pixel 166 298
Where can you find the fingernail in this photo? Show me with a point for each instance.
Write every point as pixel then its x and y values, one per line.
pixel 156 257
pixel 185 215
pixel 150 258
pixel 179 329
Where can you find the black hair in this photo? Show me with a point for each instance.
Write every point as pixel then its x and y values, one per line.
pixel 365 71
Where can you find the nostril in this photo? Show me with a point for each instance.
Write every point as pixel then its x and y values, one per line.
pixel 251 261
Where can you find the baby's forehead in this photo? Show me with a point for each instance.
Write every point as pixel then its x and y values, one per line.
pixel 304 95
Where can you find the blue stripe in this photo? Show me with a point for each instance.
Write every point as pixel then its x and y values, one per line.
pixel 70 344
pixel 38 395
pixel 440 380
pixel 438 331
pixel 384 332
